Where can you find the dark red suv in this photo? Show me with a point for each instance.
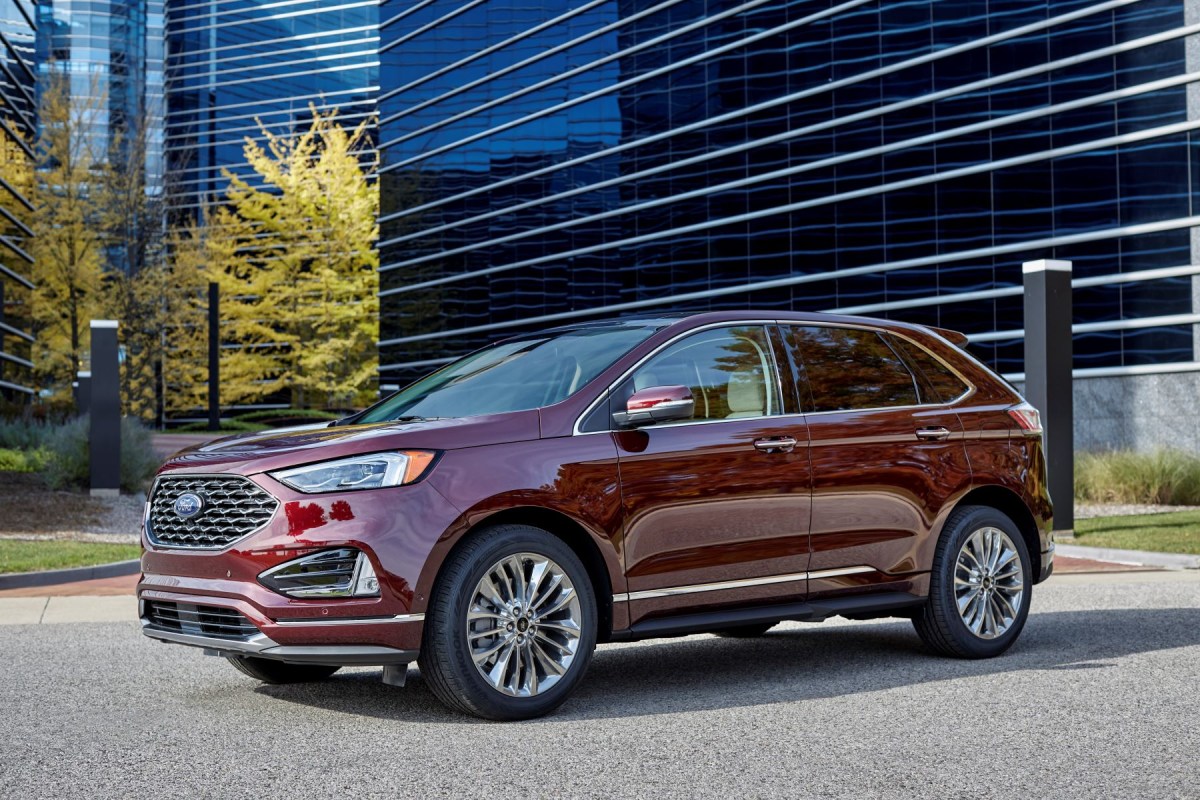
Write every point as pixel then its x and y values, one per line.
pixel 613 481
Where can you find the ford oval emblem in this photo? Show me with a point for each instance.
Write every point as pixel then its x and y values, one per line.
pixel 188 505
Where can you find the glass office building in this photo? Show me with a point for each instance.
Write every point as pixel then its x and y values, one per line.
pixel 18 26
pixel 559 160
pixel 233 63
pixel 100 45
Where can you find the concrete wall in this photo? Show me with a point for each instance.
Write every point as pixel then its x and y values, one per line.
pixel 1138 412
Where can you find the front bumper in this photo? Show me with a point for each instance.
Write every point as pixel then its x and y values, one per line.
pixel 262 646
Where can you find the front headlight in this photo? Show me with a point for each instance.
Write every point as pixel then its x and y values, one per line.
pixel 373 471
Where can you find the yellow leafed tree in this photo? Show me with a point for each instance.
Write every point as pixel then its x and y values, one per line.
pixel 68 245
pixel 295 259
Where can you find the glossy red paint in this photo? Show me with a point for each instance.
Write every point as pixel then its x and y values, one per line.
pixel 650 509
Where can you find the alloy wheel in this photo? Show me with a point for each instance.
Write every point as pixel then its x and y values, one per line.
pixel 989 582
pixel 523 624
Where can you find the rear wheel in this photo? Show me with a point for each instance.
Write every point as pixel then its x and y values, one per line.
pixel 271 671
pixel 979 587
pixel 745 631
pixel 511 625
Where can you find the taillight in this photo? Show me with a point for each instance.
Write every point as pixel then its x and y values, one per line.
pixel 1028 418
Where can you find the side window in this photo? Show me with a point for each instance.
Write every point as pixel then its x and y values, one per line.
pixel 849 369
pixel 945 384
pixel 729 371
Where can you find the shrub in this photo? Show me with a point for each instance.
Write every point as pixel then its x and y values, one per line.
pixel 25 433
pixel 67 462
pixel 21 460
pixel 1166 477
pixel 68 450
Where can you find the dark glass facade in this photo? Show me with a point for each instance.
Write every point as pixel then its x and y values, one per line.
pixel 556 160
pixel 231 63
pixel 18 25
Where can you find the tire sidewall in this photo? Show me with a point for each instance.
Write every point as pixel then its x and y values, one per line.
pixel 450 627
pixel 942 590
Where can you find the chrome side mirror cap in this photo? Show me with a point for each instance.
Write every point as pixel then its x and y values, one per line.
pixel 656 404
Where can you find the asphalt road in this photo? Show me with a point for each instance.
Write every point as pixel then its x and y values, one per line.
pixel 1100 698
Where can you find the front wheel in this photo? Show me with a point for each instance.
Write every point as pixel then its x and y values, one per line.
pixel 511 625
pixel 979 587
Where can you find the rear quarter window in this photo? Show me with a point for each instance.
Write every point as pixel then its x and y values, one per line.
pixel 938 376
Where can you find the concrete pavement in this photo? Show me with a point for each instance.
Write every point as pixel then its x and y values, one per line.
pixel 1098 699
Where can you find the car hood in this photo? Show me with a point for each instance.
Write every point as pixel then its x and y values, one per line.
pixel 251 453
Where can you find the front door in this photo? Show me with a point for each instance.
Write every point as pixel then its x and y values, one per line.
pixel 717 503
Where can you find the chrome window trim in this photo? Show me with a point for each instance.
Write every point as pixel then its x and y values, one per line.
pixel 205 551
pixel 795 280
pixel 603 395
pixel 673 591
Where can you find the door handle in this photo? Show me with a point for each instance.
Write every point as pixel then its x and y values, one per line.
pixel 933 434
pixel 779 444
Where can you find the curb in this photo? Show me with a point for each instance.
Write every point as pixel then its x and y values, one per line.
pixel 1144 557
pixel 51 577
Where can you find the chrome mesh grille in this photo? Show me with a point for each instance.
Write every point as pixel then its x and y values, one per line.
pixel 223 623
pixel 233 509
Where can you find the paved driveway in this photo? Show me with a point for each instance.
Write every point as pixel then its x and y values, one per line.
pixel 1100 699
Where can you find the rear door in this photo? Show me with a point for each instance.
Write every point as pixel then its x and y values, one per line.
pixel 886 456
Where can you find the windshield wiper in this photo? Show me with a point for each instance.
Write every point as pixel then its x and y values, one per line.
pixel 414 418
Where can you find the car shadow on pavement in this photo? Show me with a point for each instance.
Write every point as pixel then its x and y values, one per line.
pixel 793 664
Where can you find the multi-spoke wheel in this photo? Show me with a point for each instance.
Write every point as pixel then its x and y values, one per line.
pixel 511 624
pixel 523 625
pixel 989 582
pixel 979 586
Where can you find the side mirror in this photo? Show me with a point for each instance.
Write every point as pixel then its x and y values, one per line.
pixel 656 404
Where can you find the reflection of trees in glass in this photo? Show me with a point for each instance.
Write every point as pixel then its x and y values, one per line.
pixel 709 364
pixel 850 369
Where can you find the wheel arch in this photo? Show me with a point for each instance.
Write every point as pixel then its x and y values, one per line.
pixel 573 533
pixel 1010 504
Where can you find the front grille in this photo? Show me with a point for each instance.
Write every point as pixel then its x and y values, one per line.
pixel 215 621
pixel 232 509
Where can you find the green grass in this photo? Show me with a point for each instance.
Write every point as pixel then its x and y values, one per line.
pixel 1174 532
pixel 20 555
pixel 1168 477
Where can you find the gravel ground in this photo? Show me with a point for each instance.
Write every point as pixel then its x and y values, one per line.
pixel 31 511
pixel 1089 510
pixel 1097 700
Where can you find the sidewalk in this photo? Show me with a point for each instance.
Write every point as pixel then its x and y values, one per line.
pixel 112 599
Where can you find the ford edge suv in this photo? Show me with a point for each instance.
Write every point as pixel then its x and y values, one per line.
pixel 611 481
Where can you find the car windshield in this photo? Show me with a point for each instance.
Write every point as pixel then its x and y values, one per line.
pixel 514 375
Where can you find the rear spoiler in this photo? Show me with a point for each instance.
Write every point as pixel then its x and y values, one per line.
pixel 954 337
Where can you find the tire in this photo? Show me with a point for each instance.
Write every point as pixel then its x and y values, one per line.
pixel 270 671
pixel 514 681
pixel 745 631
pixel 939 622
